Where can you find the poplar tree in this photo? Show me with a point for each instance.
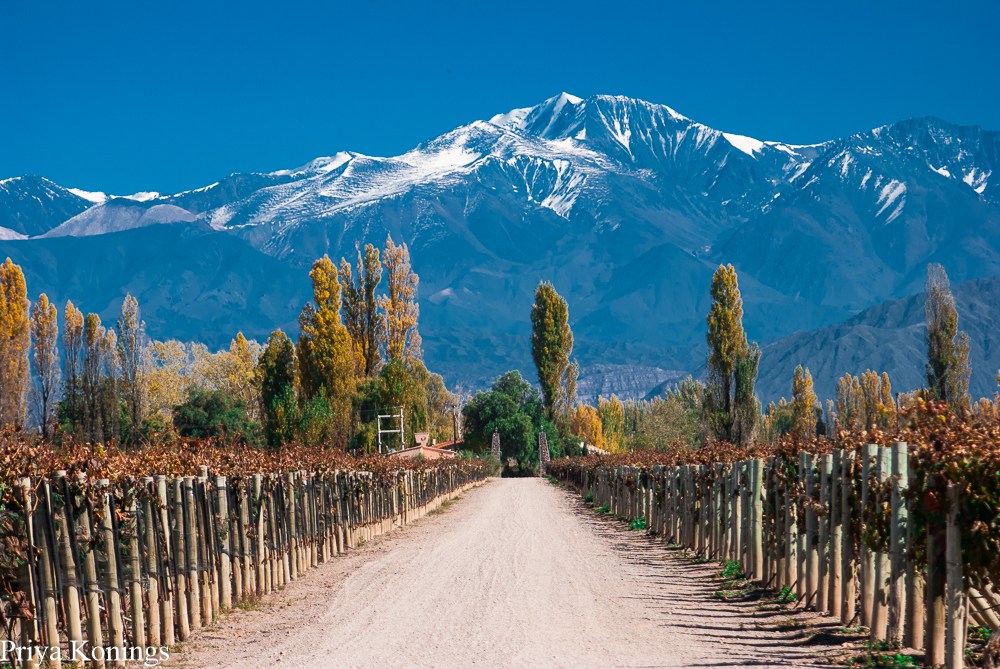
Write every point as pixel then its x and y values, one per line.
pixel 948 369
pixel 612 415
pixel 803 404
pixel 732 408
pixel 277 372
pixel 362 318
pixel 45 333
pixel 72 404
pixel 15 341
pixel 551 346
pixel 325 351
pixel 131 344
pixel 400 304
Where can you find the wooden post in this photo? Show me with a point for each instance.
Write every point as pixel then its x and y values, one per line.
pixel 191 544
pixel 71 588
pixel 152 566
pixel 46 537
pixel 757 527
pixel 897 544
pixel 869 453
pixel 915 615
pixel 29 626
pixel 956 606
pixel 802 547
pixel 836 536
pixel 168 597
pixel 848 589
pixel 135 580
pixel 791 530
pixel 181 560
pixel 93 597
pixel 224 539
pixel 880 612
pixel 812 535
pixel 823 549
pixel 115 624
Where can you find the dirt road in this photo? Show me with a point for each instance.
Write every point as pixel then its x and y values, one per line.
pixel 515 574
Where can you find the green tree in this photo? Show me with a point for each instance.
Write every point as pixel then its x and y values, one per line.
pixel 551 347
pixel 733 409
pixel 515 410
pixel 277 372
pixel 213 413
pixel 325 350
pixel 803 404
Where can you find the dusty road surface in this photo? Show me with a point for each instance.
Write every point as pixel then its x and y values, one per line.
pixel 515 574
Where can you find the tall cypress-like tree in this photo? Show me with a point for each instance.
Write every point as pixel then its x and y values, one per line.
pixel 15 340
pixel 732 408
pixel 948 368
pixel 72 409
pixel 277 372
pixel 551 346
pixel 364 322
pixel 45 333
pixel 325 350
pixel 131 345
pixel 402 340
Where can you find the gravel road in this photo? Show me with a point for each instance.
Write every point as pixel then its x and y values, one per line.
pixel 517 573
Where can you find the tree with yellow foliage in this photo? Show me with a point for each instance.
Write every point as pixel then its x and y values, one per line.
pixel 612 415
pixel 72 410
pixel 45 334
pixel 131 344
pixel 362 318
pixel 325 350
pixel 865 401
pixel 587 426
pixel 803 405
pixel 400 306
pixel 15 340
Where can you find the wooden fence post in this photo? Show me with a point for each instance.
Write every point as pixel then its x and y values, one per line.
pixel 169 595
pixel 802 532
pixel 869 453
pixel 225 543
pixel 46 537
pixel 897 544
pixel 757 527
pixel 848 590
pixel 880 612
pixel 812 534
pixel 836 537
pixel 116 630
pixel 823 522
pixel 956 606
pixel 915 614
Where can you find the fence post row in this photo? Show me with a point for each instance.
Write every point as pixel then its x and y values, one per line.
pixel 795 524
pixel 140 563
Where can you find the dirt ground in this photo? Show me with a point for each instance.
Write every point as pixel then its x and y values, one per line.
pixel 516 573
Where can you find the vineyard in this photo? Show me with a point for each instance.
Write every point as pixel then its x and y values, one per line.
pixel 115 556
pixel 895 532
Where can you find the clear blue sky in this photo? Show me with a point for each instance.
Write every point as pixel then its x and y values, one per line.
pixel 128 96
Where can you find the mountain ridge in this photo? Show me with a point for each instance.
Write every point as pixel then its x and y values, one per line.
pixel 627 205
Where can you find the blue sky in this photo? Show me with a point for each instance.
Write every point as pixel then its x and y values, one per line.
pixel 128 96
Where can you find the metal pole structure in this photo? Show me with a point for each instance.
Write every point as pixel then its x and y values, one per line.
pixel 396 416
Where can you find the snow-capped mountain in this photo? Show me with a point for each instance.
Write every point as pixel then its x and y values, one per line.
pixel 628 206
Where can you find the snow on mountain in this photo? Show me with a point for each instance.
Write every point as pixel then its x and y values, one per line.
pixel 118 215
